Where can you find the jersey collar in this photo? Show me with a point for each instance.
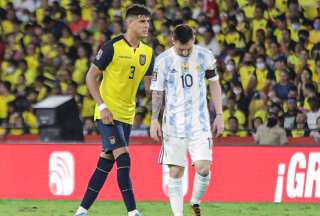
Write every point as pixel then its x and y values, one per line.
pixel 130 45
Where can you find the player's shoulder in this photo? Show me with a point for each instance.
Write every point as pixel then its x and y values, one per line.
pixel 146 46
pixel 165 55
pixel 203 50
pixel 114 40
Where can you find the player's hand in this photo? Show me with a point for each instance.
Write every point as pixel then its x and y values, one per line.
pixel 155 130
pixel 218 125
pixel 106 116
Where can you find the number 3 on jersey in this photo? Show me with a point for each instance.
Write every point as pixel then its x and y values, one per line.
pixel 187 80
pixel 132 70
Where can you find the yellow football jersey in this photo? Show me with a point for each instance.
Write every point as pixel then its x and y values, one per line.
pixel 123 69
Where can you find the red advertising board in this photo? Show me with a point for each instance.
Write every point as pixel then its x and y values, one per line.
pixel 239 174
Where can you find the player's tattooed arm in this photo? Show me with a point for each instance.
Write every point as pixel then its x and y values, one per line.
pixel 157 99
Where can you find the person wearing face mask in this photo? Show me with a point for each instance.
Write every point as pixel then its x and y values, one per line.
pixel 295 26
pixel 315 32
pixel 210 42
pixel 230 72
pixel 263 74
pixel 242 25
pixel 216 28
pixel 271 133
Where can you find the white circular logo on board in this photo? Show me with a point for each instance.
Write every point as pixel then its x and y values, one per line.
pixel 61 173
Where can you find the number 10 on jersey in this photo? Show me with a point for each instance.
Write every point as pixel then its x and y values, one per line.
pixel 187 80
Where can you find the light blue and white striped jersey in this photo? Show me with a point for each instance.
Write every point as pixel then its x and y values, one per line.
pixel 183 79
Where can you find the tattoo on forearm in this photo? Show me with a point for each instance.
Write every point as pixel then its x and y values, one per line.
pixel 157 98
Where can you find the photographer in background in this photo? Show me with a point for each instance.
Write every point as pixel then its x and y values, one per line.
pixel 271 133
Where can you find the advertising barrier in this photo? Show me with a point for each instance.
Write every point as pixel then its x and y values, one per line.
pixel 239 173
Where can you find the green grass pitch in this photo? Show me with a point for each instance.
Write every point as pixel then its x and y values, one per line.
pixel 107 208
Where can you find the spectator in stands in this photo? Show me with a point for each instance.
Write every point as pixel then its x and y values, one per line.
pixel 309 91
pixel 271 133
pixel 233 111
pixel 258 22
pixel 301 127
pixel 264 76
pixel 89 127
pixel 210 42
pixel 5 98
pixel 315 133
pixel 315 32
pixel 306 86
pixel 77 23
pixel 274 59
pixel 138 127
pixel 314 112
pixel 282 88
pixel 234 128
pixel 16 124
pixel 290 115
pixel 2 48
pixel 247 73
pixel 211 8
pixel 257 121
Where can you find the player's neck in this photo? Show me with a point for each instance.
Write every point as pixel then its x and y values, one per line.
pixel 132 39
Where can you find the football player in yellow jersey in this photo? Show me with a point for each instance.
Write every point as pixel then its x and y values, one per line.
pixel 124 62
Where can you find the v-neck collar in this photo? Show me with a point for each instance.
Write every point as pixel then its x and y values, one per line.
pixel 129 44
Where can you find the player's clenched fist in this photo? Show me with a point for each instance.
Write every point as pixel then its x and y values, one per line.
pixel 155 130
pixel 106 116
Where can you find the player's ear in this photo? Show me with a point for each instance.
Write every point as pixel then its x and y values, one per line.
pixel 173 40
pixel 194 38
pixel 129 20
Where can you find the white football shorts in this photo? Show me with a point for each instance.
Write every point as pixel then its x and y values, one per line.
pixel 174 150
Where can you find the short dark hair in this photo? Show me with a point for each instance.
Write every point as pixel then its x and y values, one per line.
pixel 183 33
pixel 136 10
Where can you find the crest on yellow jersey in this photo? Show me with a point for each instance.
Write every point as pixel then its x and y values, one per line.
pixel 142 59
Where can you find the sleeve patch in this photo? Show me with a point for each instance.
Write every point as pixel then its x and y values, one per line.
pixel 99 54
pixel 154 76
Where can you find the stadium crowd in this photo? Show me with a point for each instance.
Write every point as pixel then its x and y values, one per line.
pixel 268 55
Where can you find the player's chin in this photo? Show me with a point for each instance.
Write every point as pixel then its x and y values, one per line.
pixel 144 34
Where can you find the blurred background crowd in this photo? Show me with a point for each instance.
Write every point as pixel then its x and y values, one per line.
pixel 268 54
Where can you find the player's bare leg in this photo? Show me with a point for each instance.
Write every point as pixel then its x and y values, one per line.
pixel 104 166
pixel 200 184
pixel 175 189
pixel 123 161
